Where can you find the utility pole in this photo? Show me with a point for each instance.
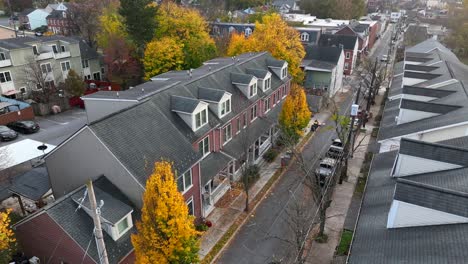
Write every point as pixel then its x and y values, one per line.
pixel 96 213
pixel 346 151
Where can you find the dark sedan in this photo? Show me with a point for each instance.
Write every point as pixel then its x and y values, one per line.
pixel 7 134
pixel 24 126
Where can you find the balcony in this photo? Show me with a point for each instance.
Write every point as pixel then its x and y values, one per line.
pixel 45 55
pixel 61 55
pixel 5 63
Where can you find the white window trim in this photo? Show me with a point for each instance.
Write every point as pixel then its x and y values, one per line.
pixel 183 181
pixel 190 200
pixel 65 63
pixel 305 36
pixel 130 225
pixel 56 48
pixel 238 125
pixel 51 70
pixel 244 119
pixel 284 72
pixel 269 104
pixel 203 142
pixel 284 91
pixel 254 91
pixel 99 75
pixel 224 134
pixel 4 55
pixel 11 77
pixel 346 66
pixel 221 107
pixel 248 32
pixel 205 109
pixel 256 113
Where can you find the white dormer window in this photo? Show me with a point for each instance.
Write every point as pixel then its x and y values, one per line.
pixel 304 36
pixel 201 118
pixel 284 72
pixel 253 89
pixel 267 84
pixel 123 226
pixel 248 32
pixel 225 107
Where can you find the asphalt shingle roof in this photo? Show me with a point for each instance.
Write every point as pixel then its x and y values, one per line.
pixel 183 104
pixel 32 184
pixel 434 151
pixel 211 165
pixel 427 106
pixel 331 55
pixel 259 73
pixel 209 94
pixel 241 78
pixel 329 40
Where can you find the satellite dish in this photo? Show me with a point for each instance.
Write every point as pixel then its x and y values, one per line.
pixel 42 147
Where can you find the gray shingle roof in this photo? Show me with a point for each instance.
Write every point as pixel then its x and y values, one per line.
pixel 427 106
pixel 259 73
pixel 331 55
pixel 32 184
pixel 434 151
pixel 211 165
pixel 426 91
pixel 329 40
pixel 272 62
pixel 209 94
pixel 183 104
pixel 241 78
pixel 374 243
pixel 26 42
pixel 429 196
pixel 113 210
pixel 424 68
pixel 420 75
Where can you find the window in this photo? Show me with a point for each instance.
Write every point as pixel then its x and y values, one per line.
pixel 65 66
pixel 226 107
pixel 122 226
pixel 35 50
pixel 267 84
pixel 266 105
pixel 54 48
pixel 245 120
pixel 87 77
pixel 204 146
pixel 248 32
pixel 85 63
pixel 201 118
pixel 346 66
pixel 184 181
pixel 97 76
pixel 2 56
pixel 253 113
pixel 190 206
pixel 304 36
pixel 238 125
pixel 102 70
pixel 284 92
pixel 23 90
pixel 49 84
pixel 253 89
pixel 227 131
pixel 348 55
pixel 62 48
pixel 284 72
pixel 46 68
pixel 216 30
pixel 5 77
pixel 274 98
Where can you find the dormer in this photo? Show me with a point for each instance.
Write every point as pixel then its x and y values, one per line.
pixel 278 67
pixel 116 216
pixel 247 83
pixel 412 110
pixel 416 157
pixel 219 100
pixel 193 112
pixel 413 78
pixel 424 94
pixel 263 76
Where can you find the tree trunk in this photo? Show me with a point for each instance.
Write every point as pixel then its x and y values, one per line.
pixel 323 211
pixel 247 197
pixel 344 171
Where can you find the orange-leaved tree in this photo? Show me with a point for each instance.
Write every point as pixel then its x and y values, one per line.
pixel 163 55
pixel 295 114
pixel 7 237
pixel 278 38
pixel 166 232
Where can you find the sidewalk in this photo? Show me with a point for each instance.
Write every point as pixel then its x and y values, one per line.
pixel 224 217
pixel 342 197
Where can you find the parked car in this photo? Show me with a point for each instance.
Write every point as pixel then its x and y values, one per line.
pixel 384 58
pixel 24 126
pixel 7 134
pixel 336 149
pixel 325 169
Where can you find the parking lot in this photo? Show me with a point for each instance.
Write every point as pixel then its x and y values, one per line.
pixel 54 129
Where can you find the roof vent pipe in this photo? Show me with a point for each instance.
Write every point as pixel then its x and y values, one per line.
pixel 117 94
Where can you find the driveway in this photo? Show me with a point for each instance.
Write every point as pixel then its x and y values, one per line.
pixel 55 128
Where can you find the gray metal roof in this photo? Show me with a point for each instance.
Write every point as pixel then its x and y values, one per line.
pixel 184 104
pixel 374 243
pixel 211 165
pixel 210 94
pixel 32 184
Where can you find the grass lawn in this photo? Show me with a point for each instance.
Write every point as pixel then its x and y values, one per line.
pixel 345 242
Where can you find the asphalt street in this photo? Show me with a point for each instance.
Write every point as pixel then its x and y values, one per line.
pixel 55 128
pixel 264 238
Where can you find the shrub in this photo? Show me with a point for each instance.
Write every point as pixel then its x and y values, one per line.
pixel 270 155
pixel 251 174
pixel 201 227
pixel 345 242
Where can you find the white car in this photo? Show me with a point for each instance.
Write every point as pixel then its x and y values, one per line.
pixel 384 58
pixel 336 149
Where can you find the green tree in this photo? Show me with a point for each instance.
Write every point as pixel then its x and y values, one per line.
pixel 295 114
pixel 320 8
pixel 359 8
pixel 166 232
pixel 138 16
pixel 111 26
pixel 74 84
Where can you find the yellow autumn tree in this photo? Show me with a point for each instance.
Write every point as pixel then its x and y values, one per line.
pixel 272 34
pixel 163 55
pixel 111 26
pixel 166 232
pixel 295 114
pixel 7 237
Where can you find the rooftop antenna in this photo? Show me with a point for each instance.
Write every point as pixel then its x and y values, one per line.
pixel 188 72
pixel 209 68
pixel 142 90
pixel 117 94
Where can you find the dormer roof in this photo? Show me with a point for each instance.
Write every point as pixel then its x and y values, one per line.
pixel 274 63
pixel 184 104
pixel 259 73
pixel 427 106
pixel 212 95
pixel 241 78
pixel 434 151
